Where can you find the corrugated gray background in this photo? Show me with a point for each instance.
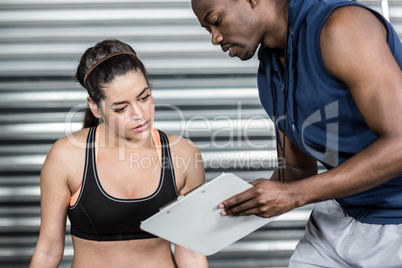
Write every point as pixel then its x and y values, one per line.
pixel 200 93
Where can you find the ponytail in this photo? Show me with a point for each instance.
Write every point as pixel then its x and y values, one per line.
pixel 90 120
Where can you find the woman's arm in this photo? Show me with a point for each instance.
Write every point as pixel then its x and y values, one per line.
pixel 186 258
pixel 55 196
pixel 191 166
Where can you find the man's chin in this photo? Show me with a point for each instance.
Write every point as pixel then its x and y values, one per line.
pixel 247 55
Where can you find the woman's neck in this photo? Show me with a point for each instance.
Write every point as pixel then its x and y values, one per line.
pixel 107 137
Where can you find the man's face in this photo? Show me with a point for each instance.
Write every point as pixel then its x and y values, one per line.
pixel 232 24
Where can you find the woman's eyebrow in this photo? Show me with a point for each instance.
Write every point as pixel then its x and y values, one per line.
pixel 118 103
pixel 142 92
pixel 125 102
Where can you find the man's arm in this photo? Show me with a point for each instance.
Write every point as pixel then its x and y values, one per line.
pixel 354 50
pixel 269 196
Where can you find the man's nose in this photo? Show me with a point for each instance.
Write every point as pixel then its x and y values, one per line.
pixel 216 37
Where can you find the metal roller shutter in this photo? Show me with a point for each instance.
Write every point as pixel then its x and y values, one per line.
pixel 200 93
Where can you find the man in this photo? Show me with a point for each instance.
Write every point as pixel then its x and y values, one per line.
pixel 330 78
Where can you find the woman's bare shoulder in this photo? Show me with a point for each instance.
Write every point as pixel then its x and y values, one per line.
pixel 181 145
pixel 69 146
pixel 65 159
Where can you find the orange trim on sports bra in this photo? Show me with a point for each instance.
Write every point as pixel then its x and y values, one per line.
pixel 157 141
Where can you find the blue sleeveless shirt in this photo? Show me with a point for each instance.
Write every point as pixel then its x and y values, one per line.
pixel 322 118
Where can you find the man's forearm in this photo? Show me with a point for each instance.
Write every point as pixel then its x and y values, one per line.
pixel 375 165
pixel 292 173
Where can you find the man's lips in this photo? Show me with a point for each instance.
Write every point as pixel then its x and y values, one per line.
pixel 226 47
pixel 230 48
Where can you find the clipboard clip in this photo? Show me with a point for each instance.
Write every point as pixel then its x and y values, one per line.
pixel 180 197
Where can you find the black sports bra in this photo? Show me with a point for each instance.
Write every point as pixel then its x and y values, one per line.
pixel 98 216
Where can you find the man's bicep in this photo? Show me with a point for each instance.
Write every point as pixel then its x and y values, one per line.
pixel 354 50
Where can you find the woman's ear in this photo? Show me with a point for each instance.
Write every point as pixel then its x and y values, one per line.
pixel 94 107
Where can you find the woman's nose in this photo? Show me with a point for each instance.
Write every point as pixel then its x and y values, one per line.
pixel 136 112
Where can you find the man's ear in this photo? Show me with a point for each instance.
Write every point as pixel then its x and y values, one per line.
pixel 253 3
pixel 94 107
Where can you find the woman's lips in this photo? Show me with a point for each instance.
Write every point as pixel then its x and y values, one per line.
pixel 141 127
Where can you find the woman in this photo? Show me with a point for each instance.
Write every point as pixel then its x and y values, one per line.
pixel 122 175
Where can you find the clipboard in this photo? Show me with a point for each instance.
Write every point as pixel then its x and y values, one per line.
pixel 194 220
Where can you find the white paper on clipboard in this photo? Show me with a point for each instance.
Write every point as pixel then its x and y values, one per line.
pixel 194 221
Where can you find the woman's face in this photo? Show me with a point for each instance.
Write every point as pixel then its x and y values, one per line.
pixel 128 107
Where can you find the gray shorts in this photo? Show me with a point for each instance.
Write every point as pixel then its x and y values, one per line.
pixel 334 239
